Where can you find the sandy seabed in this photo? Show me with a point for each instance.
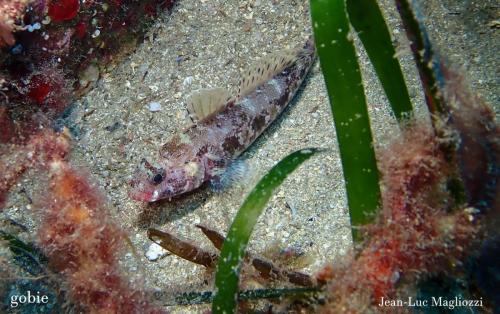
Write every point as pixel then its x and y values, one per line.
pixel 204 44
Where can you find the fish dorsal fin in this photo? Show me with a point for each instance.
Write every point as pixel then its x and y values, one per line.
pixel 205 102
pixel 264 69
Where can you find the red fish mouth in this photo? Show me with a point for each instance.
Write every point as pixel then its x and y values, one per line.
pixel 141 195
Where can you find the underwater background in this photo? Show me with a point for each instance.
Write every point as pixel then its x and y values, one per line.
pixel 127 106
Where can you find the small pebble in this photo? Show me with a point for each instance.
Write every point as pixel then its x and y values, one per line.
pixel 34 27
pixel 187 81
pixel 154 106
pixel 155 252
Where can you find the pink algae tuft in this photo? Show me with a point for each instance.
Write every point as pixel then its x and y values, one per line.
pixel 41 148
pixel 416 235
pixel 83 245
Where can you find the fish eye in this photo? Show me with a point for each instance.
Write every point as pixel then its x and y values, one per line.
pixel 158 178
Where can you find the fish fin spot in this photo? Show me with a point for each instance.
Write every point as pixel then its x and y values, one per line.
pixel 265 69
pixel 206 102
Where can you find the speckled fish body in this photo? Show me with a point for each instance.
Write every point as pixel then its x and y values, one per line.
pixel 203 152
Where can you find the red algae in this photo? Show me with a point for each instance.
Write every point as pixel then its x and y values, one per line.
pixel 63 10
pixel 426 228
pixel 83 245
pixel 8 129
pixel 412 165
pixel 416 235
pixel 79 240
pixel 39 91
pixel 48 89
pixel 41 148
pixel 81 30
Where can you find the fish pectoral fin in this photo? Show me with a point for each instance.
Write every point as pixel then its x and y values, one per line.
pixel 204 102
pixel 216 184
pixel 264 69
pixel 223 178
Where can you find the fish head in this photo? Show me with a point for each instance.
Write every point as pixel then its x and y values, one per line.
pixel 151 183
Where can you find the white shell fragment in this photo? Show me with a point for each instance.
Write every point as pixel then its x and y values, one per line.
pixel 154 106
pixel 188 81
pixel 155 252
